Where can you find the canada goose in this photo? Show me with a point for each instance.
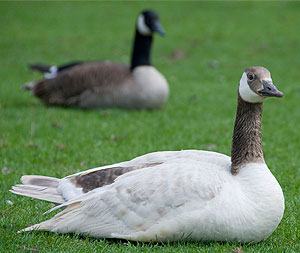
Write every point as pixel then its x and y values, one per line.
pixel 103 84
pixel 176 195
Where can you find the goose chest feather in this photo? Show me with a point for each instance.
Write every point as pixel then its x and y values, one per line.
pixel 175 195
pixel 102 84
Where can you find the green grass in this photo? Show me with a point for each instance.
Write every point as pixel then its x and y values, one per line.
pixel 200 112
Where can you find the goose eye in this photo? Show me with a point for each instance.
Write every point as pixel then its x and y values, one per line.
pixel 251 77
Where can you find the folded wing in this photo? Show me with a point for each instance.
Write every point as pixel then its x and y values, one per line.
pixel 157 203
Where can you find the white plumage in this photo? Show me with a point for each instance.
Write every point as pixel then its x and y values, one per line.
pixel 190 195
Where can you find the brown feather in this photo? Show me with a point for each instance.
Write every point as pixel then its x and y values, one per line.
pixel 107 176
pixel 246 140
pixel 68 86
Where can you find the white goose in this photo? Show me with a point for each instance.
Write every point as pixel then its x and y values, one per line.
pixel 102 84
pixel 176 195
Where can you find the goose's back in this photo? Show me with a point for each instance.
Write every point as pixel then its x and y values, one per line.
pixel 81 84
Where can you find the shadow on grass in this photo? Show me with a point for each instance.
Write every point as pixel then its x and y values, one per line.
pixel 152 244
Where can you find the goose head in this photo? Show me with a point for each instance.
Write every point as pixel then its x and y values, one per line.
pixel 256 85
pixel 148 23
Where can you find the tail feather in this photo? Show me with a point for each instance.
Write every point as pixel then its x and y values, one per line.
pixel 39 187
pixel 33 227
pixel 61 222
pixel 40 180
pixel 38 192
pixel 49 71
pixel 40 67
pixel 43 226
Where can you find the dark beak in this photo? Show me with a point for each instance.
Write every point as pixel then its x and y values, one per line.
pixel 270 90
pixel 156 27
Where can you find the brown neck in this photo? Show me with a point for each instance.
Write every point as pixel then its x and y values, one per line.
pixel 246 140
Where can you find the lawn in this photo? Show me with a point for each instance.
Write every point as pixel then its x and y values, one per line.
pixel 207 47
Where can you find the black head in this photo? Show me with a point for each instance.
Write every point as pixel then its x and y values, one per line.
pixel 148 22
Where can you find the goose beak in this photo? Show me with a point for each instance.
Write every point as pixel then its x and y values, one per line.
pixel 270 90
pixel 156 27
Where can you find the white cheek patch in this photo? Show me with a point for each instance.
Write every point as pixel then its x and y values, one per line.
pixel 246 93
pixel 142 27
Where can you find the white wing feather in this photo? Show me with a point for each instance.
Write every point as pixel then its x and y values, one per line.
pixel 69 191
pixel 157 203
pixel 161 157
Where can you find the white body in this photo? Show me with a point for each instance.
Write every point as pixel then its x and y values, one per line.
pixel 146 88
pixel 189 195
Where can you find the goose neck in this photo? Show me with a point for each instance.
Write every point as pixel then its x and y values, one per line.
pixel 246 141
pixel 141 50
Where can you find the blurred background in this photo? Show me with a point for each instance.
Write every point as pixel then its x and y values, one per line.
pixel 203 55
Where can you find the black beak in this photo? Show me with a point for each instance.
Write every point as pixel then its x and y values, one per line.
pixel 270 90
pixel 156 27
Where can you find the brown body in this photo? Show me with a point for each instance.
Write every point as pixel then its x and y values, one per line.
pixel 71 86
